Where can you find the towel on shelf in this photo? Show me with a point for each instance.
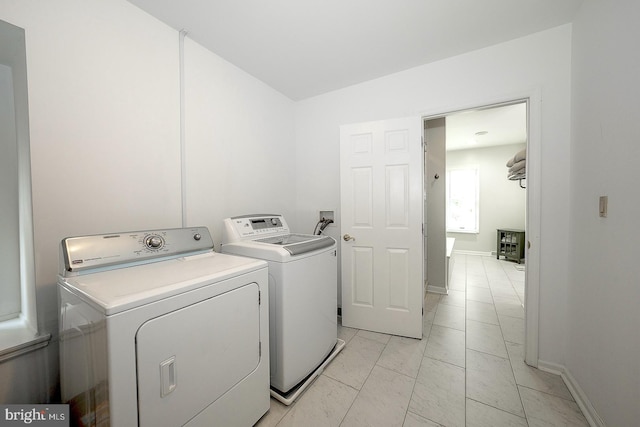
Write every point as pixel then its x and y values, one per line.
pixel 521 174
pixel 520 155
pixel 518 166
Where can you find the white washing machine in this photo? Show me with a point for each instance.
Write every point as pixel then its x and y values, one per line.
pixel 302 297
pixel 156 329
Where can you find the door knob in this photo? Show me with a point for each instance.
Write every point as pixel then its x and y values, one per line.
pixel 346 238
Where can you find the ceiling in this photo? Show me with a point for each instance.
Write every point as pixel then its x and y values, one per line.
pixel 503 125
pixel 304 48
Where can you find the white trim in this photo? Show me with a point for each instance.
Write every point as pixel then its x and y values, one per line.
pixel 474 253
pixel 532 227
pixel 552 368
pixel 451 230
pixel 437 290
pixel 17 332
pixel 532 279
pixel 576 391
pixel 18 339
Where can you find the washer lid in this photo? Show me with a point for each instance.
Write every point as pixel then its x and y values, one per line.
pixel 278 252
pixel 122 289
pixel 297 244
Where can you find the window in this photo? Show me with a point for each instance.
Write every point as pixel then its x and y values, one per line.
pixel 18 325
pixel 462 200
pixel 9 219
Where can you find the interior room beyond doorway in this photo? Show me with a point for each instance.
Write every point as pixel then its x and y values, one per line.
pixel 468 193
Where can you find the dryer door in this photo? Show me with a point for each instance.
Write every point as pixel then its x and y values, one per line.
pixel 190 357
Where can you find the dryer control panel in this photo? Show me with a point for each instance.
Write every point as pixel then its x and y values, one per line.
pixel 250 227
pixel 102 251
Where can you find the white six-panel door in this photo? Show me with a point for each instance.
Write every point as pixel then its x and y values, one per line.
pixel 381 226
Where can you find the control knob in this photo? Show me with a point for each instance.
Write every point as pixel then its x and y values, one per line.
pixel 154 242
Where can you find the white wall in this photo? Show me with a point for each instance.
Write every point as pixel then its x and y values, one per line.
pixel 104 105
pixel 240 142
pixel 435 204
pixel 603 337
pixel 540 62
pixel 502 202
pixel 102 109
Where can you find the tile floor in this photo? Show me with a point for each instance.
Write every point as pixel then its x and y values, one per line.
pixel 467 370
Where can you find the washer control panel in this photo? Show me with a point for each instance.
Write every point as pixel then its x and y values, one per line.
pixel 104 250
pixel 251 226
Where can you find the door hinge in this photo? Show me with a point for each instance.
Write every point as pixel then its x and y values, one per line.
pixel 259 349
pixel 259 297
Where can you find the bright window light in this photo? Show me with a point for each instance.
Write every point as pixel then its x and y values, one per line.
pixel 463 200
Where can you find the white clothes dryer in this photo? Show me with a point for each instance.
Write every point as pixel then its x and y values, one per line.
pixel 302 297
pixel 156 329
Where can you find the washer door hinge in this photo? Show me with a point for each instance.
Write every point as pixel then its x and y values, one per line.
pixel 259 297
pixel 259 349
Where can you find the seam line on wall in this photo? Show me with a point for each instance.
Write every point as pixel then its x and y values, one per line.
pixel 183 169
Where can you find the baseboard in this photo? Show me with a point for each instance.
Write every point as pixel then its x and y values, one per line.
pixel 476 253
pixel 437 289
pixel 576 391
pixel 552 368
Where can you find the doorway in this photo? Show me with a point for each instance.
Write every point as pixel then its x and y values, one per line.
pixel 473 148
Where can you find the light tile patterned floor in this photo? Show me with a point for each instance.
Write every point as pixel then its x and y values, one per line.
pixel 468 369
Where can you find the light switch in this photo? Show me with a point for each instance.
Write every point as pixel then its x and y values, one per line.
pixel 603 206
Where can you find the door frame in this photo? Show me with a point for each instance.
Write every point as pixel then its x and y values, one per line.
pixel 532 209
